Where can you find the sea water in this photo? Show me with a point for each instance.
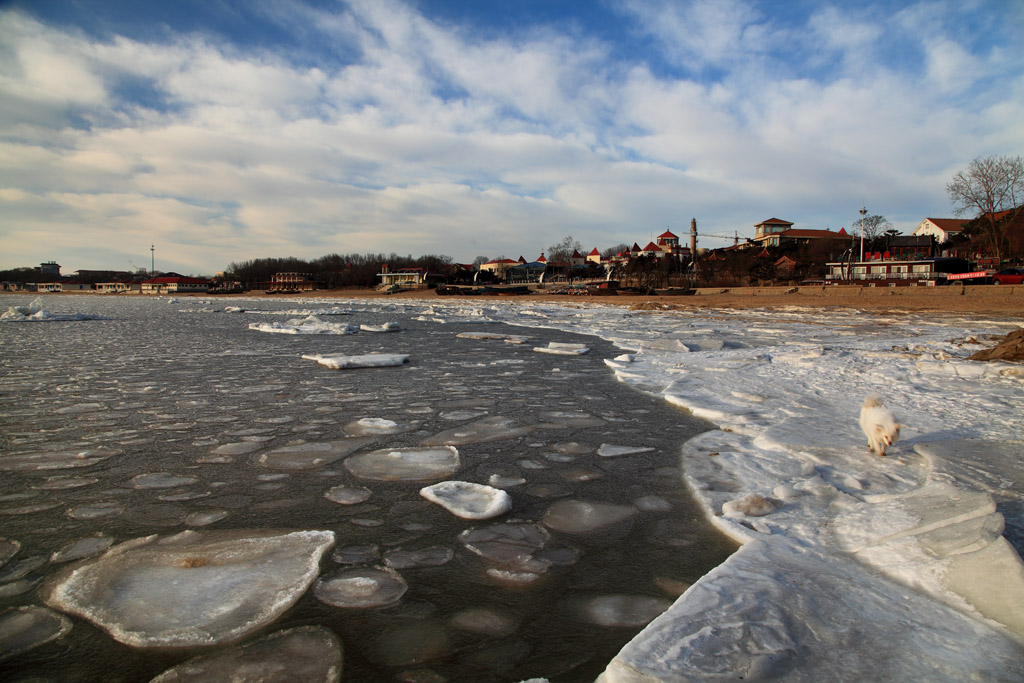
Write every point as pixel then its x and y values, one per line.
pixel 173 415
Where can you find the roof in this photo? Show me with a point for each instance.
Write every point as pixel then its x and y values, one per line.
pixel 179 280
pixel 594 252
pixel 805 232
pixel 651 246
pixel 576 254
pixel 948 224
pixel 502 260
pixel 667 235
pixel 774 221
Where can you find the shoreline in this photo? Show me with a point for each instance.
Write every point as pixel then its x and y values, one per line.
pixel 976 299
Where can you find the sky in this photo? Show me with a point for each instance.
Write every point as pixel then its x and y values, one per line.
pixel 199 133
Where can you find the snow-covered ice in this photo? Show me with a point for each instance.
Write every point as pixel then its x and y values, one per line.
pixel 34 312
pixel 367 360
pixel 855 567
pixel 308 325
pixel 361 588
pixel 468 500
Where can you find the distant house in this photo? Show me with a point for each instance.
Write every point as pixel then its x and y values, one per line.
pixel 175 284
pixel 407 278
pixel 498 266
pixel 112 287
pixel 909 246
pixel 594 256
pixel 942 229
pixel 44 287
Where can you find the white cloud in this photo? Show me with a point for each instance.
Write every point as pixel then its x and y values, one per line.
pixel 436 140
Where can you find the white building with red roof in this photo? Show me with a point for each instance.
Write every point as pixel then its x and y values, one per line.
pixel 940 228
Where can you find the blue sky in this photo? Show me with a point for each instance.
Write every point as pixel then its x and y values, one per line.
pixel 222 131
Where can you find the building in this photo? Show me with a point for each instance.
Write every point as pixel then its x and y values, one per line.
pixel 51 268
pixel 175 284
pixel 291 282
pixel 909 246
pixel 942 229
pixel 44 287
pixel 112 287
pixel 775 232
pixel 877 270
pixel 772 226
pixel 498 266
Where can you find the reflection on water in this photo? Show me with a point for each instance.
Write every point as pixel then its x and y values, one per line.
pixel 158 420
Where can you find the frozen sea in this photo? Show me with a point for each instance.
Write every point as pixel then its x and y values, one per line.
pixel 633 468
pixel 159 416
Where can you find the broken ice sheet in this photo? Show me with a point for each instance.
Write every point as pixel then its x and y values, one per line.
pixel 361 588
pixel 193 588
pixel 405 464
pixel 25 628
pixel 311 654
pixel 369 360
pixel 468 500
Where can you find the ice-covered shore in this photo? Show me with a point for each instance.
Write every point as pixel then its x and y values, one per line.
pixel 863 568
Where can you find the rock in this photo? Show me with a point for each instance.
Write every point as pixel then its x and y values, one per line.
pixel 1011 349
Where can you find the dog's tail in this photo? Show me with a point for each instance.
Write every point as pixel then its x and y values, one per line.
pixel 873 401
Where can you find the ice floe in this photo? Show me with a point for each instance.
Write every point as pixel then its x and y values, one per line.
pixel 386 327
pixel 405 464
pixel 25 628
pixel 368 360
pixel 310 455
pixel 34 312
pixel 308 325
pixel 468 500
pixel 305 653
pixel 563 349
pixel 361 588
pixel 193 588
pixel 584 517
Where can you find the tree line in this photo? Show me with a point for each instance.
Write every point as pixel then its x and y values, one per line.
pixel 335 271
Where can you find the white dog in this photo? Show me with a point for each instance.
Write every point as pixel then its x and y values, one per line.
pixel 879 424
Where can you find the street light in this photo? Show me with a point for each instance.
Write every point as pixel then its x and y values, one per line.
pixel 863 213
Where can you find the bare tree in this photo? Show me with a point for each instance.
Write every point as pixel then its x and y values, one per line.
pixel 989 185
pixel 614 251
pixel 562 251
pixel 873 227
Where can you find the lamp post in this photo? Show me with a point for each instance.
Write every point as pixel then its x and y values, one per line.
pixel 863 214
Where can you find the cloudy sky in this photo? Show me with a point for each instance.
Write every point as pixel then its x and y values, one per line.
pixel 226 130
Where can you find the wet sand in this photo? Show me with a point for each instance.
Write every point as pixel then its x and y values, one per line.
pixel 980 299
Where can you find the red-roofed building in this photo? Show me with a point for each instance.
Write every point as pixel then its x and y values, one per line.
pixel 594 256
pixel 774 231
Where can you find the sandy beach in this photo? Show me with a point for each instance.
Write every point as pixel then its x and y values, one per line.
pixel 983 299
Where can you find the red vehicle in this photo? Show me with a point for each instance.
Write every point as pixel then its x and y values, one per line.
pixel 1008 276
